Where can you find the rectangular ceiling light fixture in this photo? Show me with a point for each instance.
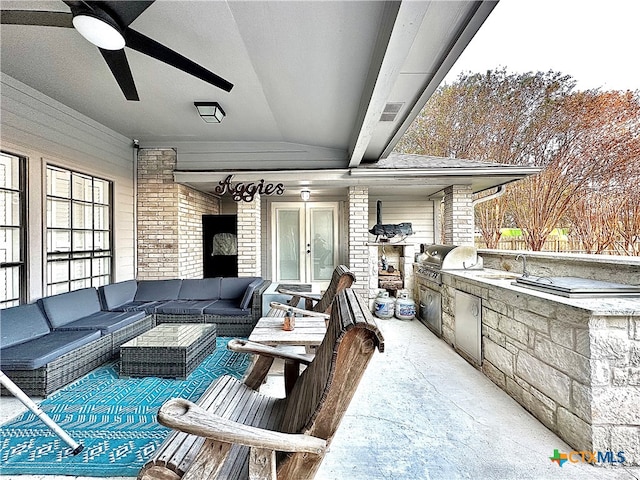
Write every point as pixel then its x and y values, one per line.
pixel 211 112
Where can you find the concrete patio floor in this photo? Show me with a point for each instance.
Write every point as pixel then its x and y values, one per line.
pixel 422 412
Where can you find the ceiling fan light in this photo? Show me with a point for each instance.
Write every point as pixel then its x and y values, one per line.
pixel 99 32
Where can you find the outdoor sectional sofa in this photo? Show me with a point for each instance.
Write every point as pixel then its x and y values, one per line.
pixel 233 303
pixel 50 343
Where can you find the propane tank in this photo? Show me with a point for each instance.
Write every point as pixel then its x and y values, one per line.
pixel 405 307
pixel 383 305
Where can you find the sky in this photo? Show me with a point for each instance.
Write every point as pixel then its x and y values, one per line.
pixel 596 42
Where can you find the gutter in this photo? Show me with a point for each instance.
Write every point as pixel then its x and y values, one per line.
pixel 500 192
pixel 443 172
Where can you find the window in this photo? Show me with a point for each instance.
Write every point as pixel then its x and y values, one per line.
pixel 79 236
pixel 12 230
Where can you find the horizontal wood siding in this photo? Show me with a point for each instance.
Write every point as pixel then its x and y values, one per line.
pixel 398 209
pixel 207 156
pixel 48 132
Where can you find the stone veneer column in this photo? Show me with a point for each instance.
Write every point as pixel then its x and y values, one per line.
pixel 358 215
pixel 458 215
pixel 169 219
pixel 249 239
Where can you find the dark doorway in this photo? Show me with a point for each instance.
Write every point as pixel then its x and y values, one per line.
pixel 219 234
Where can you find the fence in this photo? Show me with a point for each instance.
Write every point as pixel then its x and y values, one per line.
pixel 557 245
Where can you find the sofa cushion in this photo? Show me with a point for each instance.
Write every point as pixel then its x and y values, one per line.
pixel 138 306
pixel 154 290
pixel 105 322
pixel 248 293
pixel 200 289
pixel 70 306
pixel 226 308
pixel 184 307
pixel 116 294
pixel 234 287
pixel 42 350
pixel 21 324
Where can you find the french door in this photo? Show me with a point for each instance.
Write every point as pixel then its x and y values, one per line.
pixel 305 241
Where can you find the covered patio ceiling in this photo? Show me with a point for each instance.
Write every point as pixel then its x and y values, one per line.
pixel 312 79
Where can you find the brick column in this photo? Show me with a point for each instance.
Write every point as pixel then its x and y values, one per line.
pixel 458 215
pixel 169 219
pixel 249 239
pixel 358 215
pixel 157 198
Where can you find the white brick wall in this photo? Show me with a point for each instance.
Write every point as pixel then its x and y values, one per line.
pixel 458 215
pixel 192 205
pixel 249 238
pixel 358 214
pixel 169 219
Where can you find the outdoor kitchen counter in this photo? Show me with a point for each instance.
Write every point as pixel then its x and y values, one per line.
pixel 602 306
pixel 574 363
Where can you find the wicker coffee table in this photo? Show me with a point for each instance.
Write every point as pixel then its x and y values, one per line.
pixel 170 350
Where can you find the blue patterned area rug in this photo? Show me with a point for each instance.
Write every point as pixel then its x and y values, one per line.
pixel 115 420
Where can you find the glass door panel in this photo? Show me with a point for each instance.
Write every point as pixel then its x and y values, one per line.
pixel 305 240
pixel 288 242
pixel 323 237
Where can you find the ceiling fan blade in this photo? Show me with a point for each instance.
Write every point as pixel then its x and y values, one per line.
pixel 119 65
pixel 33 17
pixel 150 47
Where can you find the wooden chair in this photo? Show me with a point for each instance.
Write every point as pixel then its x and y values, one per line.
pixel 315 305
pixel 245 429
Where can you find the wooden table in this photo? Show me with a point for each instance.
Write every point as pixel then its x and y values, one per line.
pixel 308 332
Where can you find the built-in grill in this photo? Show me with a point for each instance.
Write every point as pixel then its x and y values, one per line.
pixel 436 259
pixel 448 257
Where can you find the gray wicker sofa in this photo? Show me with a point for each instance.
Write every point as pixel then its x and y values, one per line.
pixel 53 342
pixel 233 303
pixel 49 344
pixel 82 310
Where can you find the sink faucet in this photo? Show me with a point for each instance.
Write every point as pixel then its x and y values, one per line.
pixel 525 273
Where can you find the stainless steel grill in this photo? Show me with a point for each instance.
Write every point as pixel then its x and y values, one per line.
pixel 448 257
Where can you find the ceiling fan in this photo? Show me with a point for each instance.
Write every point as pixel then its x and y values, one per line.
pixel 106 25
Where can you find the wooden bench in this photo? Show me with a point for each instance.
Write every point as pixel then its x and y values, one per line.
pixel 315 304
pixel 245 428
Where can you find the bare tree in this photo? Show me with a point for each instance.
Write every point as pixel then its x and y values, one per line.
pixel 586 141
pixel 629 221
pixel 490 217
pixel 594 221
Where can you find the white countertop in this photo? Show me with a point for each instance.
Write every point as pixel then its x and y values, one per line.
pixel 608 306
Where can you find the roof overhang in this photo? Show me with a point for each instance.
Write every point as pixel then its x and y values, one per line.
pixel 429 182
